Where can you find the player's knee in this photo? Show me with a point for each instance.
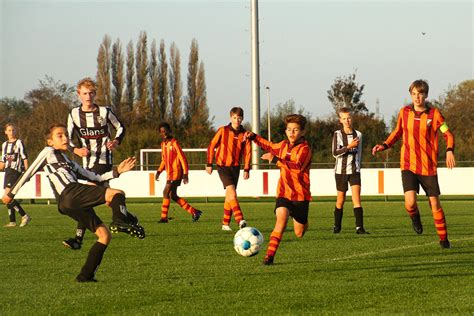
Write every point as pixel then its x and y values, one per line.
pixel 300 233
pixel 174 197
pixel 103 235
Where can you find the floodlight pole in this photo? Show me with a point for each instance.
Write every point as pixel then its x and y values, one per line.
pixel 268 113
pixel 255 82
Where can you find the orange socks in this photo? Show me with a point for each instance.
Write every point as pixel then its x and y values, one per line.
pixel 234 204
pixel 165 208
pixel 227 214
pixel 273 244
pixel 440 224
pixel 186 206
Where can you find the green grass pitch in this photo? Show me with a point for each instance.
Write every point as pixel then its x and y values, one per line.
pixel 191 268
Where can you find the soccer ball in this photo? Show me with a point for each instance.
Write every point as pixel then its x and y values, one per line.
pixel 248 241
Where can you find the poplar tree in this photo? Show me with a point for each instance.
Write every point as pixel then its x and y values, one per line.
pixel 197 124
pixel 176 89
pixel 163 90
pixel 117 76
pixel 154 81
pixel 142 109
pixel 103 96
pixel 130 77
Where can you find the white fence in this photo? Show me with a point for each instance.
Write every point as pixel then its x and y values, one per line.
pixel 458 181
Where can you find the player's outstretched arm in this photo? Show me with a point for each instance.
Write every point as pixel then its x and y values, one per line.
pixel 126 165
pixel 377 148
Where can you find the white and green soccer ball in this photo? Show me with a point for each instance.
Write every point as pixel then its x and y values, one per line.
pixel 248 241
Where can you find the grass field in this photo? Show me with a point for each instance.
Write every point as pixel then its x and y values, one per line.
pixel 191 268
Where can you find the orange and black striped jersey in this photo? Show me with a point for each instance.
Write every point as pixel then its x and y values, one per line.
pixel 230 147
pixel 173 160
pixel 294 162
pixel 419 133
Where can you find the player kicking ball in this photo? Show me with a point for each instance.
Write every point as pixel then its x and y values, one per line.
pixel 293 156
pixel 77 200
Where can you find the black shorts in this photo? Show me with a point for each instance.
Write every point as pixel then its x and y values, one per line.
pixel 175 183
pixel 412 182
pixel 343 179
pixel 229 175
pixel 11 177
pixel 101 169
pixel 298 209
pixel 77 201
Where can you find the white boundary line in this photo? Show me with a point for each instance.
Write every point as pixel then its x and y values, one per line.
pixel 371 253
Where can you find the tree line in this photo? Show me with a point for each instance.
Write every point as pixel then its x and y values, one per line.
pixel 143 85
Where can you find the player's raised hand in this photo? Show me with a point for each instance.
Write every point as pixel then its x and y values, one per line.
pixel 377 148
pixel 127 165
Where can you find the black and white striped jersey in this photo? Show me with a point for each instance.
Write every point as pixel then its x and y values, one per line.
pixel 13 154
pixel 347 160
pixel 60 171
pixel 93 130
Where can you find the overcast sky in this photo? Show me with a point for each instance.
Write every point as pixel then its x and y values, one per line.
pixel 304 46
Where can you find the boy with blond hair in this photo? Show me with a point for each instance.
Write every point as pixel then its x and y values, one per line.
pixel 91 124
pixel 347 149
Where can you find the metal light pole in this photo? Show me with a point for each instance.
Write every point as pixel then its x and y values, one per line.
pixel 255 82
pixel 268 113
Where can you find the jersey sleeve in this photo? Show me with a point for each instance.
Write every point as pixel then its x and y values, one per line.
pixel 70 129
pixel 444 129
pixel 181 158
pixel 336 150
pixel 212 146
pixel 22 150
pixel 89 175
pixel 162 165
pixel 117 124
pixel 396 133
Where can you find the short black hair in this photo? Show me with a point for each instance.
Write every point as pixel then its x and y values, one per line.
pixel 165 125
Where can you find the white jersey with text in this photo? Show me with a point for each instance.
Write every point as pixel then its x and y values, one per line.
pixel 347 160
pixel 93 130
pixel 60 171
pixel 13 154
